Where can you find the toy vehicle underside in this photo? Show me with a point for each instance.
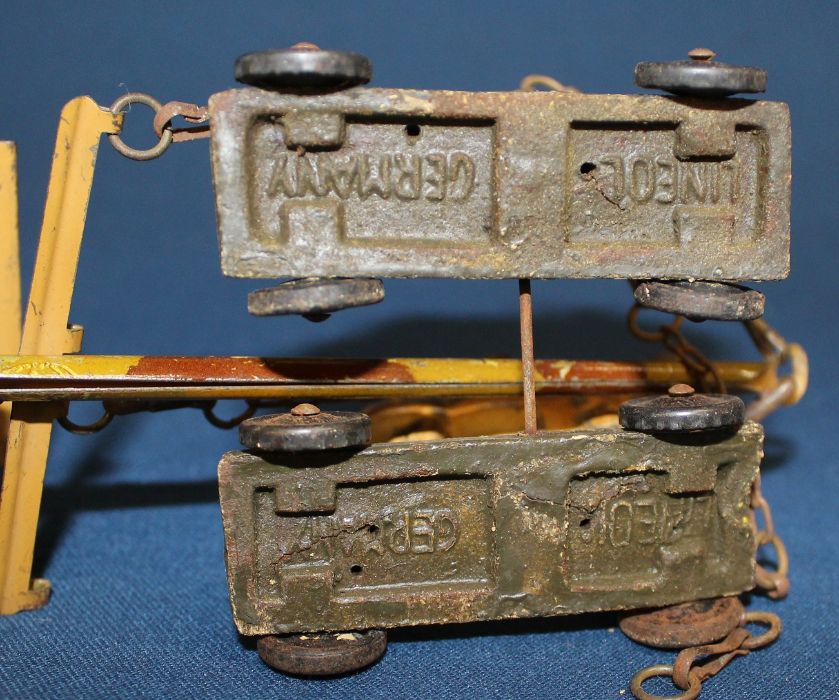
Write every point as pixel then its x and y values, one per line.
pixel 479 528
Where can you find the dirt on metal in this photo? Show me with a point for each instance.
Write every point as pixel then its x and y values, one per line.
pixel 378 182
pixel 468 529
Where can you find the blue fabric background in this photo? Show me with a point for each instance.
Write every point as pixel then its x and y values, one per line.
pixel 131 533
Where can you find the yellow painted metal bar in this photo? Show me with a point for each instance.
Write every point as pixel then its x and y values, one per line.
pixel 126 377
pixel 45 332
pixel 9 272
pixel 9 251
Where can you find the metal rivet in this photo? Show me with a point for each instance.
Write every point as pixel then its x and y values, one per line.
pixel 308 409
pixel 681 390
pixel 701 54
pixel 305 46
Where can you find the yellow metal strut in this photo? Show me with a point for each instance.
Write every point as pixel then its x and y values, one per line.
pixel 46 332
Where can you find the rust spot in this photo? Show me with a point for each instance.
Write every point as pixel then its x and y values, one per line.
pixel 253 369
pixel 685 625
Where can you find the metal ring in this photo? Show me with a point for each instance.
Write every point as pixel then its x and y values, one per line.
pixel 228 423
pixel 760 617
pixel 694 684
pixel 86 429
pixel 135 153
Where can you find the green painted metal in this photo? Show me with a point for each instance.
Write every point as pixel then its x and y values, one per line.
pixel 471 529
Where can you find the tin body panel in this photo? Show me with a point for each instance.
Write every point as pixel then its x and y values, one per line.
pixel 472 529
pixel 402 183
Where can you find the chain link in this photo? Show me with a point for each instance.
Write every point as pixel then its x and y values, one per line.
pixel 85 428
pixel 775 583
pixel 701 369
pixel 162 124
pixel 228 423
pixel 111 409
pixel 194 114
pixel 688 675
pixel 120 105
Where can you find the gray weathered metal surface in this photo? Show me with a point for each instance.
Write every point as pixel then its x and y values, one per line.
pixel 408 183
pixel 484 528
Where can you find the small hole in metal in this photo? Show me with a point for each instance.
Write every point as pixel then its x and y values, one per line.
pixel 356 569
pixel 412 130
pixel 586 168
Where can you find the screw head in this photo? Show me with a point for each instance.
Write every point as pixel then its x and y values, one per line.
pixel 681 390
pixel 305 46
pixel 305 409
pixel 700 54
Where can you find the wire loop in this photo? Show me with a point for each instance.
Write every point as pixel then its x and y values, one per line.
pixel 228 423
pixel 637 682
pixel 121 147
pixel 86 428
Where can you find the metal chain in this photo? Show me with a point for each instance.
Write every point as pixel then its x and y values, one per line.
pixel 702 370
pixel 775 583
pixel 111 409
pixel 688 675
pixel 162 124
pixel 194 114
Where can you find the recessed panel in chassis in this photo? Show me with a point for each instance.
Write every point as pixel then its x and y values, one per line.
pixel 401 183
pixel 484 528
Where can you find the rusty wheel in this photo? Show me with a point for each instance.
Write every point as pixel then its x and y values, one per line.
pixel 682 410
pixel 303 68
pixel 325 654
pixel 306 429
pixel 685 625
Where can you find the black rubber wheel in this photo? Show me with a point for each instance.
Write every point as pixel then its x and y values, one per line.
pixel 682 412
pixel 314 296
pixel 303 69
pixel 324 654
pixel 700 78
pixel 700 301
pixel 286 432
